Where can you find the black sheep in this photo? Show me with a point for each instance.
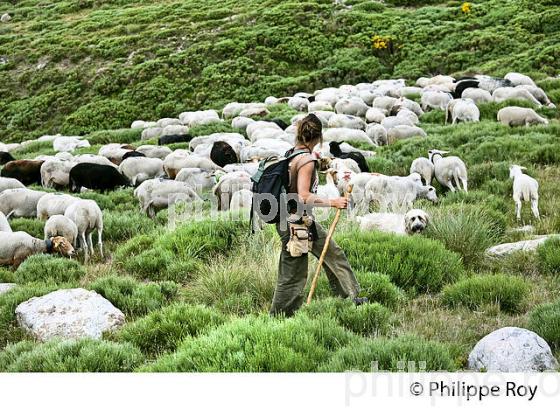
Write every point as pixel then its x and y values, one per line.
pixel 173 139
pixel 356 156
pixel 25 171
pixel 222 154
pixel 5 157
pixel 95 176
pixel 281 123
pixel 462 86
pixel 131 154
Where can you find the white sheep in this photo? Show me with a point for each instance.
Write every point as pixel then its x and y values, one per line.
pixel 413 106
pixel 88 217
pixel 462 109
pixel 198 179
pixel 329 190
pixel 351 106
pixel 436 100
pixel 539 94
pixel 400 132
pixel 478 95
pixel 9 183
pixel 384 103
pixel 241 200
pixel 69 144
pixel 15 247
pixel 156 194
pixel 519 79
pixel 241 123
pixel 154 151
pixel 448 170
pixel 511 116
pixel 513 93
pixel 346 121
pixel 60 225
pixel 298 103
pixel 395 193
pixel 164 122
pixel 424 167
pixel 55 173
pixel 20 202
pixel 249 167
pixel 139 169
pixel 4 224
pixel 525 188
pixel 375 115
pixel 377 133
pixel 94 159
pixel 194 118
pixel 150 133
pixel 319 106
pixel 54 204
pixel 228 184
pixel 347 135
pixel 393 121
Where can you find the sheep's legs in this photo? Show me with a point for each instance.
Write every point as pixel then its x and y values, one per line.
pixel 535 208
pixel 84 246
pixel 449 185
pixel 100 242
pixel 464 181
pixel 518 209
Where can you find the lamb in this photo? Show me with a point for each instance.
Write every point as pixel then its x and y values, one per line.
pixel 448 170
pixel 397 192
pixel 139 169
pixel 403 132
pixel 329 190
pixel 343 164
pixel 20 202
pixel 88 217
pixel 59 225
pixel 53 204
pixel 227 185
pixel 9 183
pixel 511 116
pixel 423 167
pixel 510 93
pixel 377 133
pixel 525 188
pixel 15 247
pixel 414 221
pixel 4 224
pixel 463 109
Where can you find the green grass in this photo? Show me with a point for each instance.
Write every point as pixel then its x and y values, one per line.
pixel 508 292
pixel 548 256
pixel 50 269
pixel 545 321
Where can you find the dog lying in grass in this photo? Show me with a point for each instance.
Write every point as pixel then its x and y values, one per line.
pixel 414 221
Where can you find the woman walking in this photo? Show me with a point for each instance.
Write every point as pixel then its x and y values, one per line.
pixel 292 271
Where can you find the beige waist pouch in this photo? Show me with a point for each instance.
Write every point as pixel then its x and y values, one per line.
pixel 299 243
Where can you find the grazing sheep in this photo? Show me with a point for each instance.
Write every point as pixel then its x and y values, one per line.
pixel 150 133
pixel 346 135
pixel 9 183
pixel 351 106
pixel 519 79
pixel 20 202
pixel 198 179
pixel 55 173
pixel 463 109
pixel 298 103
pixel 393 121
pixel 69 144
pixel 164 122
pixel 405 103
pixel 356 156
pixel 93 176
pixel 241 200
pixel 154 151
pixel 139 169
pixel 375 115
pixel 448 170
pixel 510 93
pixel 53 204
pixel 511 116
pixel 478 95
pixel 156 194
pixel 5 157
pixel 4 224
pixel 403 132
pixel 384 103
pixel 539 94
pixel 346 164
pixel 397 192
pixel 241 123
pixel 227 185
pixel 94 159
pixel 409 115
pixel 15 247
pixel 88 217
pixel 254 112
pixel 423 167
pixel 414 221
pixel 195 118
pixel 346 121
pixel 436 100
pixel 525 188
pixel 329 190
pixel 377 133
pixel 249 167
pixel 177 160
pixel 319 106
pixel 59 225
pixel 26 171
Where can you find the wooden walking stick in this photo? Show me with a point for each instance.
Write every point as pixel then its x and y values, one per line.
pixel 326 247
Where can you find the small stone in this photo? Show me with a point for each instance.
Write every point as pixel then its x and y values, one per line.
pixel 5 18
pixel 5 287
pixel 509 248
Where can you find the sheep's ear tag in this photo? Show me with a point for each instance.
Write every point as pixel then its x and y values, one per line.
pixel 49 244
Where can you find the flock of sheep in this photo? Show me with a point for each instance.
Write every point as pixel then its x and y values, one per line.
pixel 372 114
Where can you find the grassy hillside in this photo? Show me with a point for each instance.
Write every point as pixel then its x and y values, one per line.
pixel 84 65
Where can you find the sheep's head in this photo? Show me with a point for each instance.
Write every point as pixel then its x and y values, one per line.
pixel 431 194
pixel 515 170
pixel 433 152
pixel 62 246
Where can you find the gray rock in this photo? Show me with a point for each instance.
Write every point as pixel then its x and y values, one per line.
pixel 527 246
pixel 5 18
pixel 512 349
pixel 5 287
pixel 69 314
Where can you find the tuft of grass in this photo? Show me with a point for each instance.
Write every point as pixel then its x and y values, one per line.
pixel 413 263
pixel 258 344
pixel 85 355
pixel 544 320
pixel 377 287
pixel 51 269
pixel 508 292
pixel 33 227
pixel 135 298
pixel 123 225
pixel 163 330
pixel 404 353
pixel 548 257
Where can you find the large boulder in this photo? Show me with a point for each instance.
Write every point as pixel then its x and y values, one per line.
pixel 509 248
pixel 512 349
pixel 69 314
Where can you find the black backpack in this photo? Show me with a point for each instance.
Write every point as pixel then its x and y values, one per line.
pixel 270 183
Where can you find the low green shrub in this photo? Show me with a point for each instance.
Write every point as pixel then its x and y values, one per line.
pixel 258 344
pixel 413 263
pixel 405 353
pixel 135 298
pixel 123 225
pixel 370 319
pixel 123 136
pixel 544 320
pixel 52 269
pixel 377 287
pixel 33 227
pixel 548 256
pixel 465 229
pixel 509 292
pixel 163 330
pixel 85 355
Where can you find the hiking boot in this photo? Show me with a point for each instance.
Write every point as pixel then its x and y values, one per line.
pixel 360 301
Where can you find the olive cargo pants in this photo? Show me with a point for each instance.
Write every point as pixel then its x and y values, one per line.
pixel 292 273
